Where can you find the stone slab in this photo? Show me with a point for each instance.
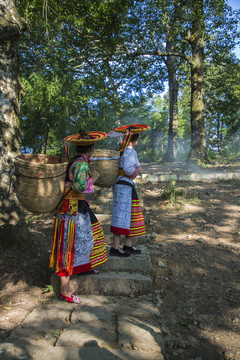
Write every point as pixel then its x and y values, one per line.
pixel 141 333
pixel 193 176
pixel 149 178
pixel 9 351
pixel 44 324
pixel 87 334
pixel 89 312
pixel 101 328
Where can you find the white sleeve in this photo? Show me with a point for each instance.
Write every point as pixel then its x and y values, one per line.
pixel 130 161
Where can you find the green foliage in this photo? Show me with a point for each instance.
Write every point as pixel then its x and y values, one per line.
pixel 47 288
pixel 76 73
pixel 177 195
pixel 169 192
pixel 223 105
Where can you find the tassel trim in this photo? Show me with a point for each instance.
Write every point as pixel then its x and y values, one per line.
pixel 54 244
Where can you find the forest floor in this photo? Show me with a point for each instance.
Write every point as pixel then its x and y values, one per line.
pixel 194 241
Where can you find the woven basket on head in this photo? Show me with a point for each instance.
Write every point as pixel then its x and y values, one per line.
pixel 40 181
pixel 106 163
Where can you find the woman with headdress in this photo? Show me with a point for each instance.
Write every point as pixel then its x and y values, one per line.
pixel 127 217
pixel 78 240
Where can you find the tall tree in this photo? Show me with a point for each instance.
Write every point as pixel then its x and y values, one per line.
pixel 196 40
pixel 173 15
pixel 171 151
pixel 11 27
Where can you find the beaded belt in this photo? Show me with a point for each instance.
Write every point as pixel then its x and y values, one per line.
pixel 121 172
pixel 73 195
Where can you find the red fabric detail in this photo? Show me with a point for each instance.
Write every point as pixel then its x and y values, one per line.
pixel 137 226
pixel 126 140
pixel 119 231
pixel 72 254
pixel 138 128
pixel 54 243
pixel 135 174
pixel 60 245
pixel 76 270
pixel 64 207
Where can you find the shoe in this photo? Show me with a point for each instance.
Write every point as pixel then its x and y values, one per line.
pixel 74 298
pixel 130 250
pixel 94 271
pixel 116 252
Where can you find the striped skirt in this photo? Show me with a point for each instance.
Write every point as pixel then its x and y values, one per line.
pixel 127 217
pixel 78 243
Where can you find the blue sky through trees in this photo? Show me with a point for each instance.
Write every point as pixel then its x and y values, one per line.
pixel 235 5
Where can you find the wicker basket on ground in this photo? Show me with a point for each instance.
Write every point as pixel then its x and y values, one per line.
pixel 106 163
pixel 40 181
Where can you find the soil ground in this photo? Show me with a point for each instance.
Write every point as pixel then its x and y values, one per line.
pixel 194 239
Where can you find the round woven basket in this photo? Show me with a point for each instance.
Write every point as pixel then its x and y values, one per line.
pixel 40 181
pixel 106 163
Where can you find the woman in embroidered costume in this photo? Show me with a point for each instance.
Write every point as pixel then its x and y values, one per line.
pixel 78 240
pixel 127 217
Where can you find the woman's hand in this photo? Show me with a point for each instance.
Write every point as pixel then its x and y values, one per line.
pixel 95 175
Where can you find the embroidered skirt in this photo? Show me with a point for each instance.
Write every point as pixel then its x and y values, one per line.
pixel 127 217
pixel 78 243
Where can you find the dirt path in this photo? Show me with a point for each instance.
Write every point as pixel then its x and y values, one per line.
pixel 195 244
pixel 196 237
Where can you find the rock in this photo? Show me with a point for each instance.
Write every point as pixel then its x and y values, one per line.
pixel 159 301
pixel 161 264
pixel 153 235
pixel 151 221
pixel 192 340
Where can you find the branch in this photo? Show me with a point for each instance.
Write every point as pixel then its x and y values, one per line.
pixel 154 53
pixel 90 61
pixel 124 50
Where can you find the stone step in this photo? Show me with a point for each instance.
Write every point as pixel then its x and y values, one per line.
pixel 112 283
pixel 105 221
pixel 101 200
pixel 140 263
pixel 118 276
pixel 102 207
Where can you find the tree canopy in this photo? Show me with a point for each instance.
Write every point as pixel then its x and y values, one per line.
pixel 101 63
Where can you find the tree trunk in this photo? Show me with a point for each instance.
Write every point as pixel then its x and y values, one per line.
pixel 171 152
pixel 198 138
pixel 12 222
pixel 112 84
pixel 219 134
pixel 207 130
pixel 46 139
